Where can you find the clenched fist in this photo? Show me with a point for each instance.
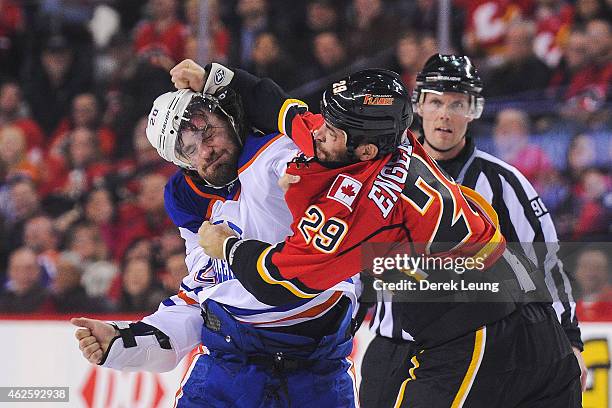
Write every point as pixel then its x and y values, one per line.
pixel 212 238
pixel 187 74
pixel 94 337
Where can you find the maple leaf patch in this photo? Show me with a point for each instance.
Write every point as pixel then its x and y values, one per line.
pixel 348 190
pixel 344 190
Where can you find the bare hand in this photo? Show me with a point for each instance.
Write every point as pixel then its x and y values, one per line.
pixel 583 369
pixel 285 181
pixel 94 337
pixel 187 74
pixel 212 238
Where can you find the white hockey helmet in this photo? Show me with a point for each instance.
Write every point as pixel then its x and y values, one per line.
pixel 164 122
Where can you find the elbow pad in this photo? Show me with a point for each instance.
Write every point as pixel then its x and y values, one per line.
pixel 139 347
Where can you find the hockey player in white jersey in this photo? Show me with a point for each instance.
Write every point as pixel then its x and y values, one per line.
pixel 259 355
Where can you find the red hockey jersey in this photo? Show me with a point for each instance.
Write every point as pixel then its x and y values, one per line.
pixel 399 204
pixel 401 198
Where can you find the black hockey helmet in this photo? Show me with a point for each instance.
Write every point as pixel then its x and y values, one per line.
pixel 450 73
pixel 371 106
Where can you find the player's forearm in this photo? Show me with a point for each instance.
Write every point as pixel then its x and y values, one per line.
pixel 270 109
pixel 262 99
pixel 251 262
pixel 157 343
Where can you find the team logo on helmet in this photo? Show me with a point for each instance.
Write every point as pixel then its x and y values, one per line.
pixel 219 76
pixel 369 99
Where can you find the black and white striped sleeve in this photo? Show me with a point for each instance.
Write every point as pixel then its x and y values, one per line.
pixel 524 218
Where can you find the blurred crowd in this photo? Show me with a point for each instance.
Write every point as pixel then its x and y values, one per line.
pixel 82 221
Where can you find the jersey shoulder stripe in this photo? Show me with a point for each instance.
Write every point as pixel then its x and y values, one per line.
pixel 253 147
pixel 188 203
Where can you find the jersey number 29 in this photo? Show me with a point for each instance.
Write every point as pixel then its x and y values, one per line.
pixel 325 235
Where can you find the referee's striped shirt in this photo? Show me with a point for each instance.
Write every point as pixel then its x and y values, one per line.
pixel 523 218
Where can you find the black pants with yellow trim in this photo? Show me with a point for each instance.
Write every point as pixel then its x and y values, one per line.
pixel 521 361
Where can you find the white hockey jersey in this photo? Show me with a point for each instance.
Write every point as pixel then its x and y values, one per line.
pixel 255 208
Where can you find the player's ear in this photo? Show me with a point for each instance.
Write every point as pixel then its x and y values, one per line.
pixel 367 151
pixel 418 108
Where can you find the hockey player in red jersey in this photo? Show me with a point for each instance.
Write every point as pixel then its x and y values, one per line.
pixel 367 181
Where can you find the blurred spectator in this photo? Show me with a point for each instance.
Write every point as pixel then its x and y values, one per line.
pixel 593 275
pixel 589 88
pixel 23 292
pixel 421 16
pixel 429 44
pixel 79 167
pixel 98 278
pixel 85 113
pixel 330 55
pixel 13 158
pixel 408 58
pixel 146 217
pixel 487 22
pixel 85 241
pixel 144 160
pixel 321 16
pixel 553 20
pixel 99 207
pixel 41 237
pixel 151 202
pixel 140 248
pixel 575 58
pixel 329 64
pixel 115 64
pixel 586 214
pixel 53 80
pixel 511 136
pixel 140 292
pixel 587 10
pixel 14 113
pixel 581 155
pixel 126 98
pixel 253 20
pixel 370 29
pixel 175 271
pixel 269 61
pixel 12 27
pixel 594 218
pixel 146 157
pixel 219 35
pixel 169 243
pixel 19 201
pixel 67 295
pixel 159 42
pixel 521 71
pixel 163 34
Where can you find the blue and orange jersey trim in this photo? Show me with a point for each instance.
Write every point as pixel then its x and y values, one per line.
pixel 253 147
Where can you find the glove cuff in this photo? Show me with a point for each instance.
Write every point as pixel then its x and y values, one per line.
pixel 218 76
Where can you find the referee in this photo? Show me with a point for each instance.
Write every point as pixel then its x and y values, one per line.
pixel 446 79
